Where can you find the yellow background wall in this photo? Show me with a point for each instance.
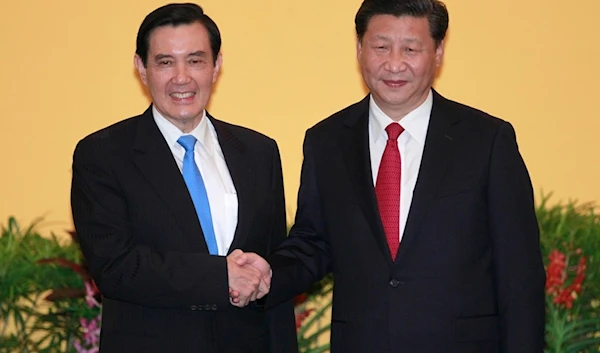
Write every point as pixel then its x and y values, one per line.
pixel 67 70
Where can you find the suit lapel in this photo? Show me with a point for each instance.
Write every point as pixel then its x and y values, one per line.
pixel 437 155
pixel 354 144
pixel 154 159
pixel 243 176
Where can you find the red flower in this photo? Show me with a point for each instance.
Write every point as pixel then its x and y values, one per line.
pixel 300 311
pixel 301 316
pixel 299 299
pixel 556 275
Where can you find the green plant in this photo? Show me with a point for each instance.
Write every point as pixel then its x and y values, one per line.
pixel 570 241
pixel 41 292
pixel 44 306
pixel 313 310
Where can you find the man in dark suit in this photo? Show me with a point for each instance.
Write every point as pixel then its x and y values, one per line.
pixel 161 200
pixel 420 206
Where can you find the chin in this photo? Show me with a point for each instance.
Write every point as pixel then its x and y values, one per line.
pixel 395 100
pixel 188 115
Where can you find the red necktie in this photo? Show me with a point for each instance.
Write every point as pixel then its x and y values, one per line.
pixel 387 188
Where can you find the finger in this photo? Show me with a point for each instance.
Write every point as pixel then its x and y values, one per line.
pixel 241 260
pixel 255 288
pixel 235 253
pixel 242 302
pixel 238 256
pixel 250 289
pixel 238 304
pixel 264 286
pixel 263 289
pixel 260 291
pixel 267 280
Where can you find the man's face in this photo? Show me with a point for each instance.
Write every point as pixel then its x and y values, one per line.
pixel 179 72
pixel 398 59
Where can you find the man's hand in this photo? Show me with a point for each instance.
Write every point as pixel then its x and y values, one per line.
pixel 252 263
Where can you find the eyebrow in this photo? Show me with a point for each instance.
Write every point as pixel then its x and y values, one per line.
pixel 199 53
pixel 404 40
pixel 382 37
pixel 411 40
pixel 160 57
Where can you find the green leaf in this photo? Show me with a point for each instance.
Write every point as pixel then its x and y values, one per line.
pixel 583 344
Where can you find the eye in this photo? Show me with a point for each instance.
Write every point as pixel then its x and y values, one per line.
pixel 164 63
pixel 412 50
pixel 196 61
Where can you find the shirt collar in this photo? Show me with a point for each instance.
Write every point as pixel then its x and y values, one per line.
pixel 204 132
pixel 415 122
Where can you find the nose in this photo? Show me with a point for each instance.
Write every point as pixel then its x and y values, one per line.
pixel 396 61
pixel 182 75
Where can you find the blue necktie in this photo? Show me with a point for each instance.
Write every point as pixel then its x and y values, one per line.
pixel 195 185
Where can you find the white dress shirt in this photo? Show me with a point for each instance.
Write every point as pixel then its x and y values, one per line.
pixel 208 155
pixel 410 144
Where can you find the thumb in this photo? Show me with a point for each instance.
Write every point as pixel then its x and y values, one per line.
pixel 239 257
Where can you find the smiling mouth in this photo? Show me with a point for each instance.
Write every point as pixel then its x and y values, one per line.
pixel 182 95
pixel 395 83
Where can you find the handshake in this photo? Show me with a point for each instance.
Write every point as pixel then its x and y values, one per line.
pixel 249 277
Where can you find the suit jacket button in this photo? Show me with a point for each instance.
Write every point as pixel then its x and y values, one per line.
pixel 207 307
pixel 214 307
pixel 394 283
pixel 193 307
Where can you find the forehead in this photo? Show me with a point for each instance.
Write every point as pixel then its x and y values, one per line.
pixel 399 27
pixel 185 37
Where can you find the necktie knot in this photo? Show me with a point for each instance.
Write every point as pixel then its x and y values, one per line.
pixel 394 130
pixel 187 142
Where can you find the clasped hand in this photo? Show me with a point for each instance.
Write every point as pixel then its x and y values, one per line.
pixel 249 277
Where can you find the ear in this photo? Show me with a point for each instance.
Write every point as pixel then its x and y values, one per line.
pixel 217 68
pixel 358 48
pixel 139 65
pixel 439 54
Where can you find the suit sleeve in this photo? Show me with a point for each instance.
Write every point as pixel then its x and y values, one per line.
pixel 282 325
pixel 125 269
pixel 519 270
pixel 305 256
pixel 280 222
